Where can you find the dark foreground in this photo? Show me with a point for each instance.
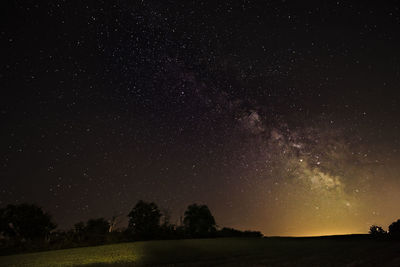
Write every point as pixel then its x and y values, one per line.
pixel 338 251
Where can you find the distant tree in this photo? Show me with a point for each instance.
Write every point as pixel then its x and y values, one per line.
pixel 114 222
pixel 249 233
pixel 61 239
pixel 165 217
pixel 180 232
pixel 96 230
pixel 167 229
pixel 394 229
pixel 231 232
pixel 376 231
pixel 79 231
pixel 144 220
pixel 25 221
pixel 198 221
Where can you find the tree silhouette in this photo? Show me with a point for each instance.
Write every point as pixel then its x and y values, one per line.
pixel 198 221
pixel 231 232
pixel 25 221
pixel 376 231
pixel 96 230
pixel 394 229
pixel 79 231
pixel 144 220
pixel 114 222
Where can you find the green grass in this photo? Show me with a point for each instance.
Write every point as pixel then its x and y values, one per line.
pixel 222 252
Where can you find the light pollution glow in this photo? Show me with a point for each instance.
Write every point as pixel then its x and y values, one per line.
pixel 315 180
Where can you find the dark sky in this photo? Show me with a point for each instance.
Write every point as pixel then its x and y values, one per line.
pixel 281 116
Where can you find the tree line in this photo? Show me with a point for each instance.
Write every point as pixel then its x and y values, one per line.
pixel 393 231
pixel 27 227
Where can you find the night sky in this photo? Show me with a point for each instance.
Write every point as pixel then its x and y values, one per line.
pixel 281 116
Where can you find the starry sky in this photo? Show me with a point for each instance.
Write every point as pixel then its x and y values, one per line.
pixel 281 116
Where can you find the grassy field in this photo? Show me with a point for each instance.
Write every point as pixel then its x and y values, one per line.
pixel 340 251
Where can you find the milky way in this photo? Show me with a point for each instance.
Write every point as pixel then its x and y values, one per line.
pixel 280 116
